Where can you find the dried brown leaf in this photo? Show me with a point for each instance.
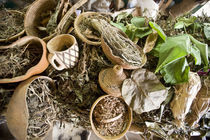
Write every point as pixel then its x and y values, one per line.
pixel 184 96
pixel 143 92
pixel 200 105
pixel 150 42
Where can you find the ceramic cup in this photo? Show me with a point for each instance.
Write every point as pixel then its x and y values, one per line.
pixel 64 51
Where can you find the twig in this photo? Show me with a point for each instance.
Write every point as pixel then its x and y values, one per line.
pixel 65 22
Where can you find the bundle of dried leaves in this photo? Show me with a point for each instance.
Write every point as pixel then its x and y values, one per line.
pixel 110 116
pixel 41 109
pixel 17 60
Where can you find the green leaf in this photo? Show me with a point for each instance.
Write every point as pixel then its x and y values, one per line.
pixel 174 48
pixel 138 21
pixel 142 33
pixel 172 63
pixel 196 54
pixel 203 48
pixel 155 51
pixel 119 26
pixel 176 72
pixel 187 21
pixel 179 25
pixel 158 29
pixel 207 32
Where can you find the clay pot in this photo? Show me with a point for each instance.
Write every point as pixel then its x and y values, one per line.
pixel 109 137
pixel 111 80
pixel 17 112
pixel 78 31
pixel 39 68
pixel 117 60
pixel 33 17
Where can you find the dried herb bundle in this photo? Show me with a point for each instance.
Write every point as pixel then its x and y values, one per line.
pixel 120 45
pixel 184 96
pixel 110 116
pixel 17 61
pixel 41 109
pixel 11 23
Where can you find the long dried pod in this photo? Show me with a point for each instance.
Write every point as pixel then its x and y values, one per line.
pixel 37 16
pixel 118 47
pixel 200 105
pixel 184 96
pixel 18 113
pixel 28 41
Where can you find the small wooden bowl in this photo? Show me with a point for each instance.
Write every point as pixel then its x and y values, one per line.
pixel 109 137
pixel 78 31
pixel 38 68
pixel 32 18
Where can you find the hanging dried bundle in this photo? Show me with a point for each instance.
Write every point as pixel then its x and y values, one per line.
pixel 118 47
pixel 184 96
pixel 200 105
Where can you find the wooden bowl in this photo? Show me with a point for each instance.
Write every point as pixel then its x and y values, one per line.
pixel 109 137
pixel 38 68
pixel 17 112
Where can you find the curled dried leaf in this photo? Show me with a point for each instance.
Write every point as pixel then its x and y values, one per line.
pixel 143 92
pixel 150 42
pixel 200 105
pixel 184 96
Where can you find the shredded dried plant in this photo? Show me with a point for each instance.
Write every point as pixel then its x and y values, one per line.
pixel 40 107
pixel 78 87
pixel 17 61
pixel 11 22
pixel 110 116
pixel 120 45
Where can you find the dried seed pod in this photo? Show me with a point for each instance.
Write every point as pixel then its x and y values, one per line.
pixel 115 103
pixel 200 105
pixel 18 113
pixel 38 68
pixel 184 95
pixel 37 17
pixel 118 47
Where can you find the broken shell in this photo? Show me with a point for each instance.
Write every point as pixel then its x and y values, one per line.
pixel 80 33
pixel 111 80
pixel 116 137
pixel 32 20
pixel 17 112
pixel 38 68
pixel 117 60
